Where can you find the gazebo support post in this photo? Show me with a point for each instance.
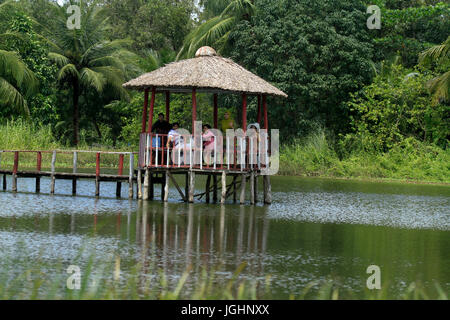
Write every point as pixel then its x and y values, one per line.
pixel 214 188
pixel 259 109
pixel 266 119
pixel 168 106
pixel 243 185
pixel 139 184
pixel 216 111
pixel 144 111
pixel 191 186
pixel 194 109
pixel 267 190
pixel 146 184
pixel 244 112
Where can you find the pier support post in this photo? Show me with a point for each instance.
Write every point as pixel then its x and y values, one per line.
pixel 4 182
pixel 243 185
pixel 252 187
pixel 234 189
pixel 267 190
pixel 130 177
pixel 139 184
pixel 97 175
pixel 214 188
pixel 186 187
pixel 191 186
pixel 119 183
pixel 74 169
pixel 15 168
pixel 166 187
pixel 256 188
pixel 38 168
pixel 208 184
pixel 53 179
pixel 224 188
pixel 146 184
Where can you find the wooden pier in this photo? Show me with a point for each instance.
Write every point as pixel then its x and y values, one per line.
pixel 141 180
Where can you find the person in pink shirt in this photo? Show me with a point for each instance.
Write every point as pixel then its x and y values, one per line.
pixel 208 144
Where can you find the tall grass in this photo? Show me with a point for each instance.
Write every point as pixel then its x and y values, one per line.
pixel 410 160
pixel 22 135
pixel 101 287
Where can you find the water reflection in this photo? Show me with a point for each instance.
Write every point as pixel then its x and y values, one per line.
pixel 308 234
pixel 178 237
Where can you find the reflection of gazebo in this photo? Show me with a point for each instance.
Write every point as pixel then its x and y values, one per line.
pixel 206 73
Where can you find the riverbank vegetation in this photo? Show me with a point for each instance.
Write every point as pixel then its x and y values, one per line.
pixel 369 104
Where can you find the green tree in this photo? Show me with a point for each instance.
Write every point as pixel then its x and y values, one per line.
pixel 440 56
pixel 318 52
pixel 85 59
pixel 394 107
pixel 216 30
pixel 17 81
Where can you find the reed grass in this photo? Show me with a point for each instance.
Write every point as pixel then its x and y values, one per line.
pixel 411 160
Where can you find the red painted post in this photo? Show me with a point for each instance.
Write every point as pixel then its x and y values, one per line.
pixel 167 106
pixel 144 112
pixel 152 106
pixel 194 108
pixel 216 111
pixel 121 164
pixel 259 110
pixel 16 162
pixel 266 119
pixel 39 161
pixel 97 165
pixel 244 112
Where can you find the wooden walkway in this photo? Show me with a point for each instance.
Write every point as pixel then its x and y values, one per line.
pixel 145 179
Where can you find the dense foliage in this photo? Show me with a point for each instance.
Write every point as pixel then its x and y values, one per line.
pixel 370 91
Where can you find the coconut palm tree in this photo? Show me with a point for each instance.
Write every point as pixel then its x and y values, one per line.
pixel 440 55
pixel 86 60
pixel 215 31
pixel 17 81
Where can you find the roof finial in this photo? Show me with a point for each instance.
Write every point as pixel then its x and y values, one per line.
pixel 205 51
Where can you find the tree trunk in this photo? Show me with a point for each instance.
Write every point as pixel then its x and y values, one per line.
pixel 76 115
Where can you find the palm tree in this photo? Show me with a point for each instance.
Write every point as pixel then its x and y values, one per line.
pixel 440 55
pixel 85 59
pixel 215 31
pixel 16 80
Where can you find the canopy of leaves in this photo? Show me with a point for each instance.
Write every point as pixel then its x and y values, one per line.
pixel 315 51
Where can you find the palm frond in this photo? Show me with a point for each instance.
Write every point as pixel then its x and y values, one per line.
pixel 9 95
pixel 91 78
pixel 15 71
pixel 239 7
pixel 440 54
pixel 59 59
pixel 68 71
pixel 440 87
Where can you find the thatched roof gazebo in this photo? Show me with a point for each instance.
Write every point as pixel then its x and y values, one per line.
pixel 207 72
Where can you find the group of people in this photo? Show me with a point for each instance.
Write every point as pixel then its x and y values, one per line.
pixel 178 143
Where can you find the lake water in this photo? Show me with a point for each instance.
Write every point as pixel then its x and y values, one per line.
pixel 315 230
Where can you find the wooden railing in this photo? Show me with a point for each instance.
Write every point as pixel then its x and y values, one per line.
pixel 236 154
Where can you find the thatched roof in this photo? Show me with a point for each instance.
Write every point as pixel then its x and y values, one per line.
pixel 207 72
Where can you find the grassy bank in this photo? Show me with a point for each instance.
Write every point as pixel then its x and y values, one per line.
pixel 310 156
pixel 409 161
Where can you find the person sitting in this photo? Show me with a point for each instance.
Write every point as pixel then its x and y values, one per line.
pixel 208 143
pixel 177 140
